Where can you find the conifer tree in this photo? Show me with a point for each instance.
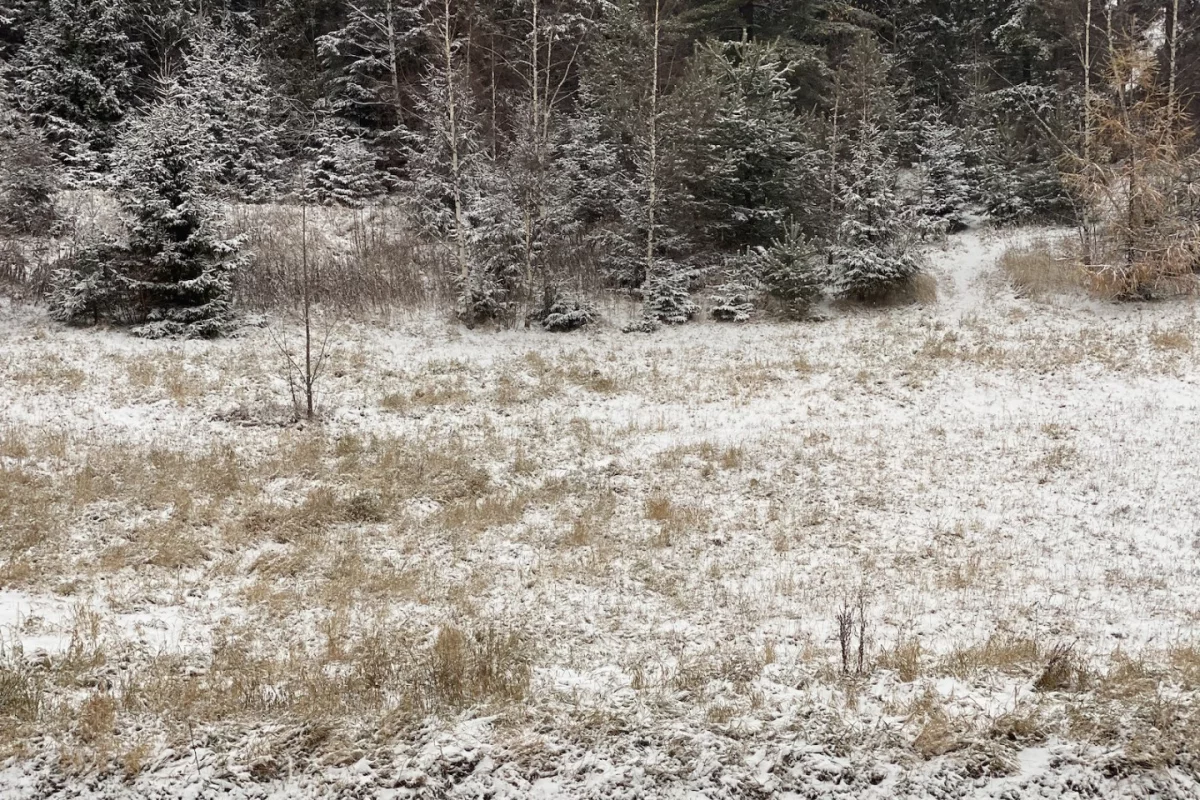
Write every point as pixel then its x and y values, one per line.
pixel 172 275
pixel 944 192
pixel 340 170
pixel 27 174
pixel 758 164
pixel 75 78
pixel 370 62
pixel 448 173
pixel 872 252
pixel 224 81
pixel 793 271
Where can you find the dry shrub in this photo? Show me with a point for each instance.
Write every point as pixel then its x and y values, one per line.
pixel 734 665
pixel 675 519
pixel 364 507
pixel 1171 340
pixel 470 668
pixel 938 733
pixel 1042 268
pixel 97 718
pixel 1185 661
pixel 29 513
pixel 1026 728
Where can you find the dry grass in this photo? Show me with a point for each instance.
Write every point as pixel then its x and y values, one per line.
pixel 904 658
pixel 377 673
pixel 477 553
pixel 1171 340
pixel 1042 268
pixel 998 653
pixel 360 261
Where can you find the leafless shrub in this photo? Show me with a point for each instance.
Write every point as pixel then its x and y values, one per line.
pixel 364 260
pixel 1140 235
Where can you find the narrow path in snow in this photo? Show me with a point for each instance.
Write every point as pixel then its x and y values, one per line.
pixel 967 270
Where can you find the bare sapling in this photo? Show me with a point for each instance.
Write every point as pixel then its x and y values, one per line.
pixel 305 366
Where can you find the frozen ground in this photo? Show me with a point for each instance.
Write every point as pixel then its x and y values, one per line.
pixel 605 565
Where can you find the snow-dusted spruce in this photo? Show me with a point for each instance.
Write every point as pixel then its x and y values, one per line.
pixel 171 277
pixel 75 77
pixel 758 164
pixel 599 188
pixel 27 175
pixel 793 271
pixel 735 299
pixel 944 191
pixel 447 172
pixel 367 59
pixel 341 170
pixel 224 81
pixel 873 251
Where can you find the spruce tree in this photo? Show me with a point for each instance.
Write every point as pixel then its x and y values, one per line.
pixel 75 77
pixel 340 170
pixel 757 163
pixel 28 174
pixel 944 191
pixel 448 174
pixel 872 252
pixel 225 83
pixel 369 63
pixel 172 274
pixel 793 271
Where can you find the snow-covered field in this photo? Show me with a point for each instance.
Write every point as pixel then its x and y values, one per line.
pixel 603 565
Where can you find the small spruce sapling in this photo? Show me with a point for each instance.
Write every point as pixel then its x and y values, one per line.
pixel 872 253
pixel 792 271
pixel 941 206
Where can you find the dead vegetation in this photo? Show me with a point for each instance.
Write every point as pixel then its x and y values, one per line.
pixel 1042 268
pixel 542 539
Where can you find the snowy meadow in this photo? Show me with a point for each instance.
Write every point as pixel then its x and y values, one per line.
pixel 943 550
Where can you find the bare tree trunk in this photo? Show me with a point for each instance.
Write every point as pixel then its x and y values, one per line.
pixel 652 197
pixel 1087 85
pixel 534 126
pixel 1174 35
pixel 394 65
pixel 460 242
pixel 495 138
pixel 308 366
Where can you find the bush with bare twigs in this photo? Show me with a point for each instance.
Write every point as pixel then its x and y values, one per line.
pixel 1136 180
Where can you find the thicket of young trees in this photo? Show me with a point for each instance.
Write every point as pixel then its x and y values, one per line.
pixel 774 152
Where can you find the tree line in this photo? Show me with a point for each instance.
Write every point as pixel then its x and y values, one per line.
pixel 771 151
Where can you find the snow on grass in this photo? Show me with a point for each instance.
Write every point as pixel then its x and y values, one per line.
pixel 609 565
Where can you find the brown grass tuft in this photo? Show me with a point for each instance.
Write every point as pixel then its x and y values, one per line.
pixel 1042 268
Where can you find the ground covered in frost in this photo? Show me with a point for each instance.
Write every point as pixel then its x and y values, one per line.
pixel 604 565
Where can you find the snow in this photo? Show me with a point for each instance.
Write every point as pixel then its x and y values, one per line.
pixel 982 468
